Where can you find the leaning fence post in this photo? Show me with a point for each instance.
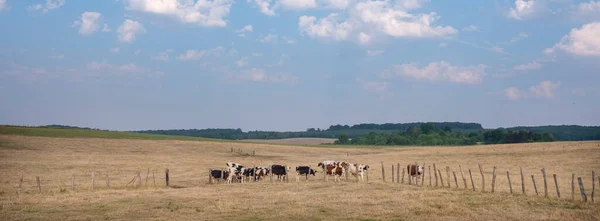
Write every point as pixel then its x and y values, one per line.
pixel 139 178
pixel 147 174
pixel 556 184
pixel 573 187
pixel 593 184
pixel 429 166
pixel 583 196
pixel 509 183
pixel 463 176
pixel 382 171
pixel 393 173
pixel 20 184
pixel 534 186
pixel 522 180
pixel 403 169
pixel 435 174
pixel 455 180
pixel 398 173
pixel 448 175
pixel 482 178
pixel 167 176
pixel 39 185
pixel 472 183
pixel 441 179
pixel 545 183
pixel 494 179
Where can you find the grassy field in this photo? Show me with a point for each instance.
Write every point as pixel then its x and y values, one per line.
pixel 190 197
pixel 296 141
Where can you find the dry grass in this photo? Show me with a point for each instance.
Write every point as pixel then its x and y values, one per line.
pixel 56 159
pixel 296 141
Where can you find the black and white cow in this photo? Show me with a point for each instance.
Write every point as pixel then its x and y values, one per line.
pixel 305 171
pixel 280 171
pixel 236 170
pixel 219 174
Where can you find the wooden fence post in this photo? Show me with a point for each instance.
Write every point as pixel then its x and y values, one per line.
pixel 324 172
pixel 423 175
pixel 287 174
pixel 409 170
pixel 545 183
pixel 20 184
pixel 154 178
pixel 39 185
pixel 429 167
pixel 573 187
pixel 93 180
pixel 167 176
pixel 593 184
pixel 441 179
pixel 416 174
pixel 209 176
pixel 398 173
pixel 534 186
pixel 448 175
pixel 522 181
pixel 367 175
pixel 472 183
pixel 482 178
pixel 382 171
pixel 403 170
pixel 463 176
pixel 393 173
pixel 509 183
pixel 356 166
pixel 147 174
pixel 455 180
pixel 494 179
pixel 435 174
pixel 72 182
pixel 139 178
pixel 583 196
pixel 556 184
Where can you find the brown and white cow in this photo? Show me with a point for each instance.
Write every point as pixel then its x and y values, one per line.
pixel 415 171
pixel 357 171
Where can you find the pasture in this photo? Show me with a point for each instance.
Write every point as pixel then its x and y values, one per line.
pixel 56 159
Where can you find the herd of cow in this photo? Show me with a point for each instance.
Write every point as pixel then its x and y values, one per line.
pixel 236 172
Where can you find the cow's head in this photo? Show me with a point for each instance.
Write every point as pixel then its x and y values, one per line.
pixel 365 167
pixel 321 165
pixel 313 172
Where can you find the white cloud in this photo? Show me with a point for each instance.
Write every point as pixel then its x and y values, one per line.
pixel 374 53
pixel 545 89
pixel 244 30
pixel 106 28
pixel 525 9
pixel 470 28
pixel 589 11
pixel 3 5
pixel 129 29
pixel 260 75
pixel 88 23
pixel 298 4
pixel 528 67
pixel 197 55
pixel 411 4
pixel 50 5
pixel 268 38
pixel 264 6
pixel 57 57
pixel 442 71
pixel 115 50
pixel 163 56
pixel 202 12
pixel 364 38
pixel 242 62
pixel 337 4
pixel 582 42
pixel 328 27
pixel 519 37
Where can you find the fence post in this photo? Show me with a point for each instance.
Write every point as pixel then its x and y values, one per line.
pixel 583 196
pixel 463 176
pixel 534 186
pixel 167 176
pixel 72 182
pixel 509 183
pixel 403 171
pixel 147 174
pixel 367 175
pixel 448 175
pixel 593 184
pixel 398 173
pixel 494 179
pixel 429 167
pixel 382 171
pixel 286 177
pixel 393 173
pixel 20 184
pixel 482 178
pixel 93 180
pixel 356 166
pixel 139 178
pixel 522 181
pixel 435 174
pixel 573 187
pixel 39 185
pixel 209 176
pixel 423 175
pixel 455 180
pixel 472 183
pixel 441 179
pixel 409 173
pixel 556 184
pixel 324 172
pixel 416 174
pixel 545 183
pixel 154 178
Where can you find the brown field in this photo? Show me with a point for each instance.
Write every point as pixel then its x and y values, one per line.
pixel 191 198
pixel 296 141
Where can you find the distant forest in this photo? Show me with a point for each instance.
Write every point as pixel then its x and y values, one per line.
pixel 452 133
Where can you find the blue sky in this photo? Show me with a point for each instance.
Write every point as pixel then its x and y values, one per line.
pixel 295 64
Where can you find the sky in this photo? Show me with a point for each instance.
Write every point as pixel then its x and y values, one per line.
pixel 288 65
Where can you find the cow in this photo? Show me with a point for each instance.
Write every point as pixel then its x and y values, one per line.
pixel 304 170
pixel 235 170
pixel 219 174
pixel 334 168
pixel 280 171
pixel 354 171
pixel 261 172
pixel 415 171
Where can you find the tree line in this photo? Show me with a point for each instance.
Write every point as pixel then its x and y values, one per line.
pixel 428 135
